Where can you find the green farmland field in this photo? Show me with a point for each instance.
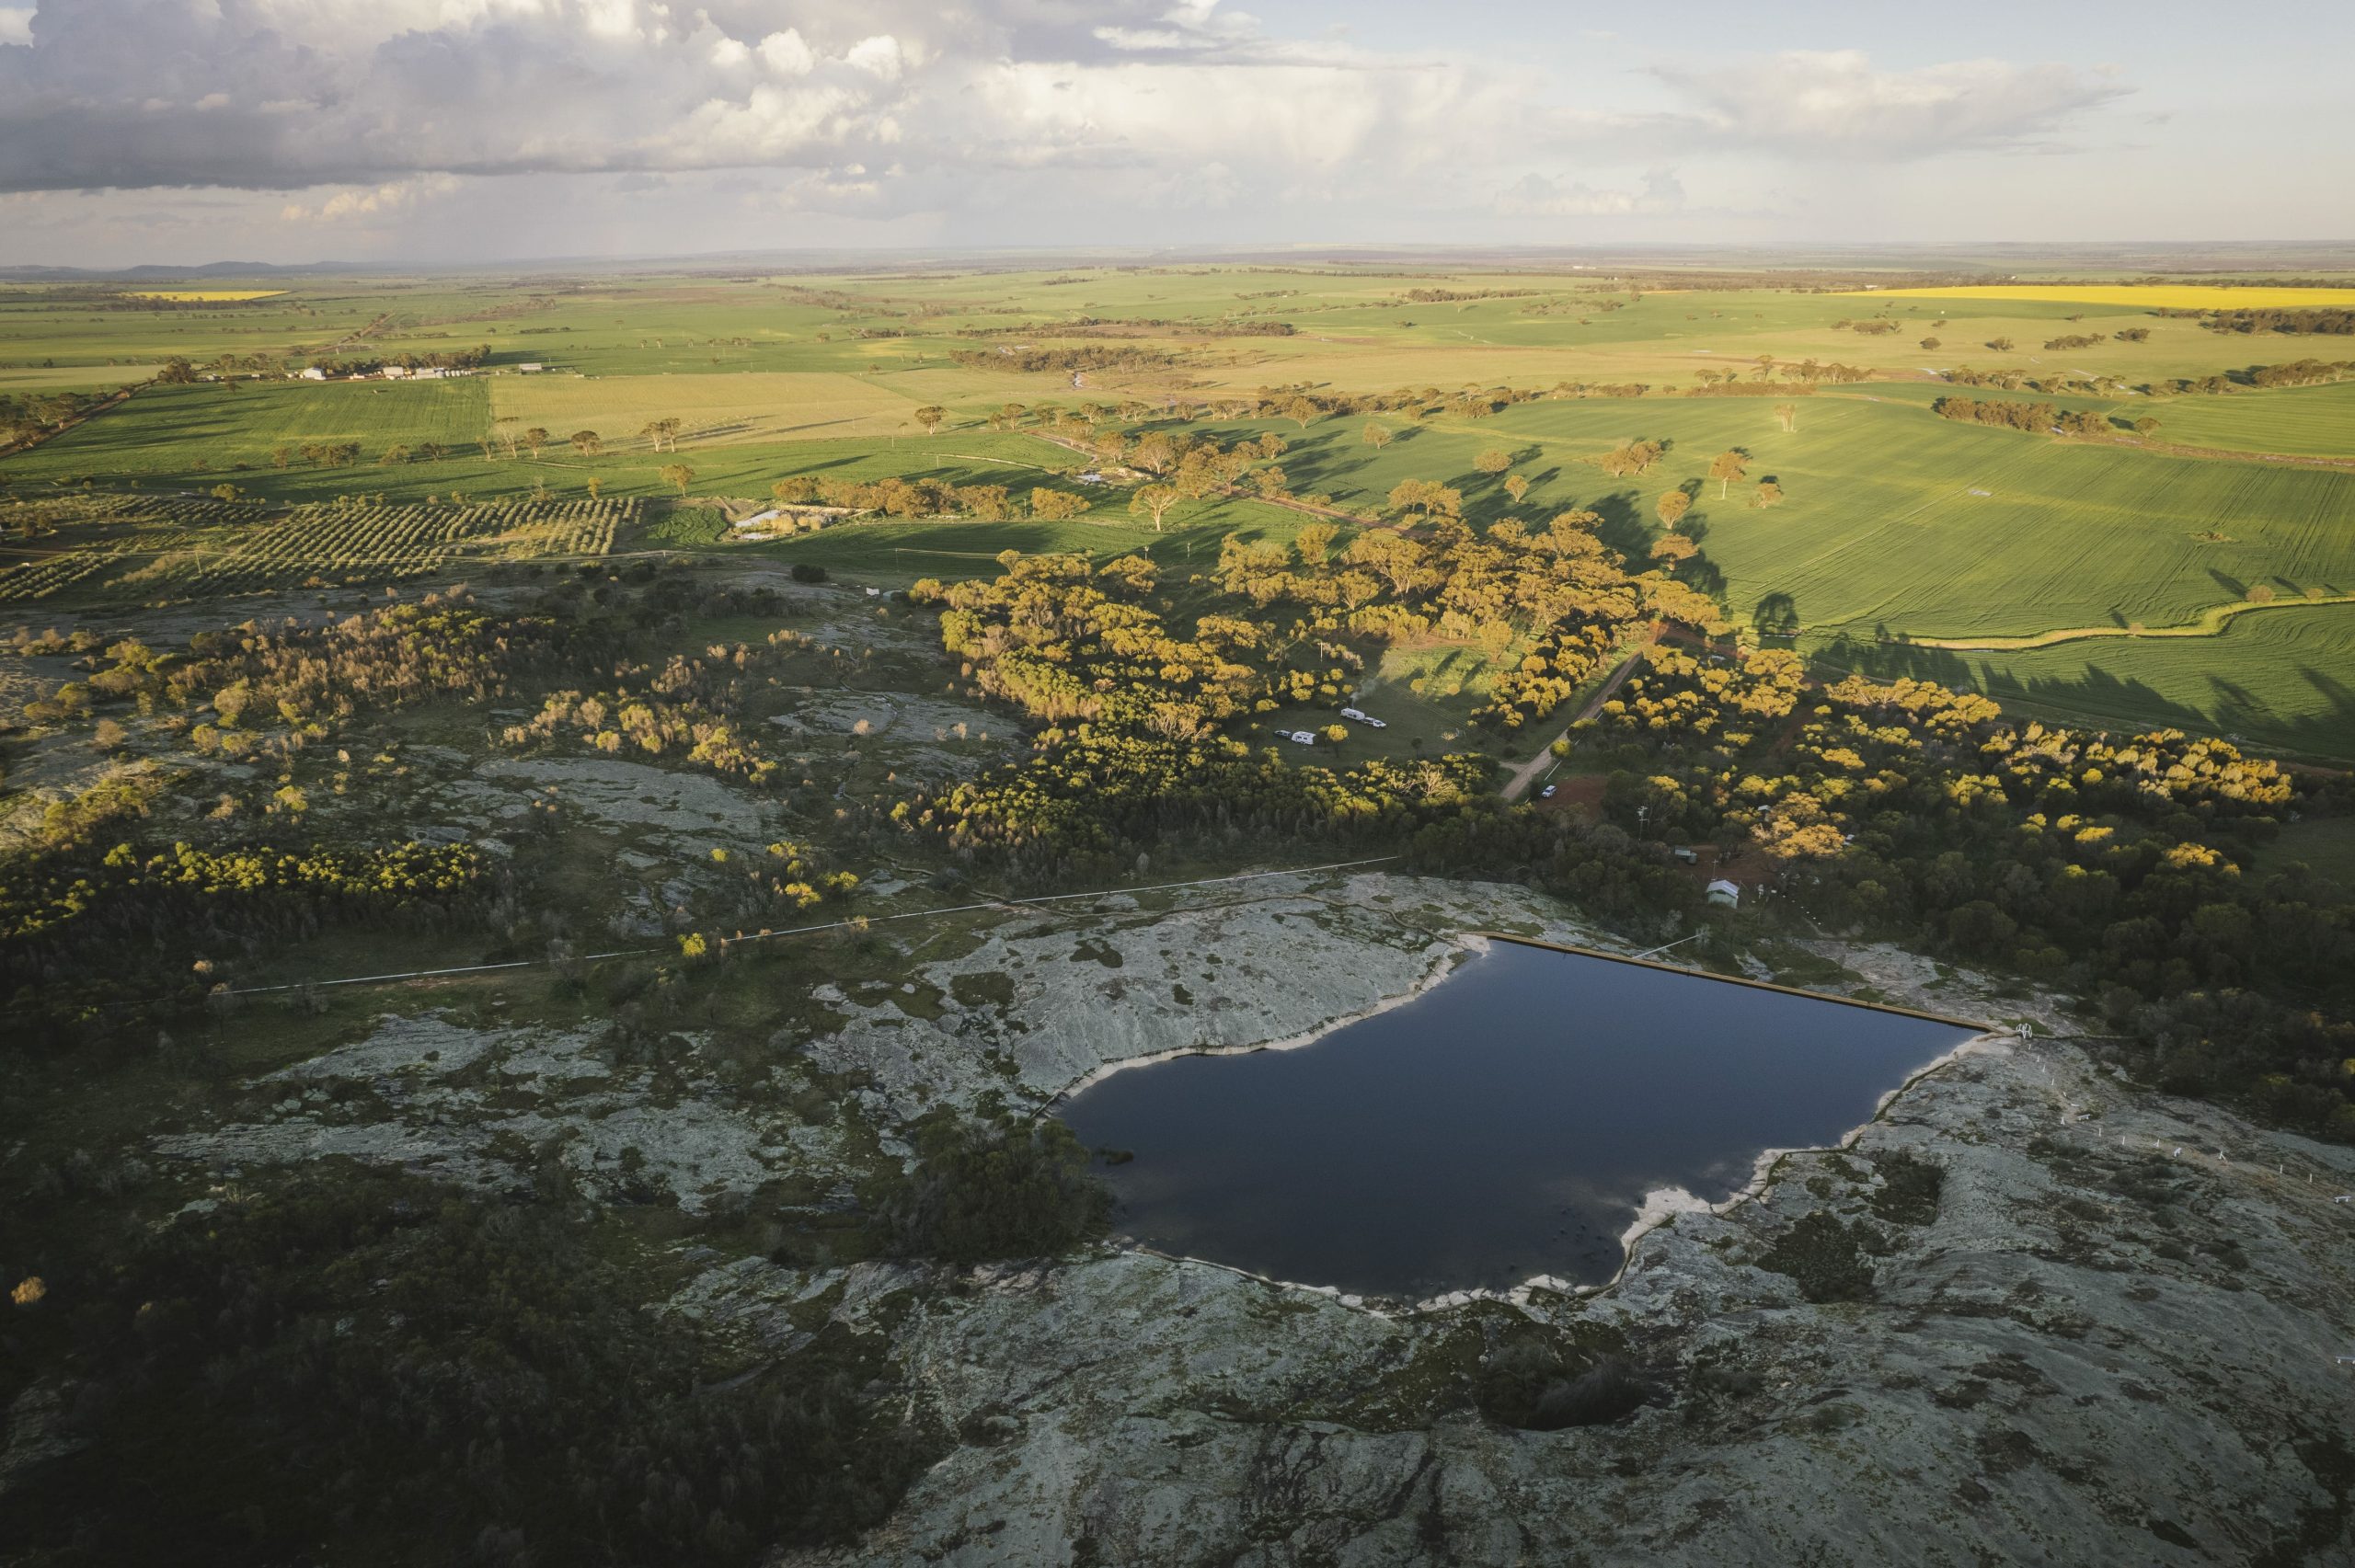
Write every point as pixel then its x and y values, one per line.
pixel 2316 422
pixel 1893 524
pixel 165 431
pixel 2283 680
pixel 900 552
pixel 192 437
pixel 1880 527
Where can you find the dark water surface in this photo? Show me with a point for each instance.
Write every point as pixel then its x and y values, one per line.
pixel 1506 1123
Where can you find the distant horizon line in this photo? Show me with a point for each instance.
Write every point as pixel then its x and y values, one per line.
pixel 2327 253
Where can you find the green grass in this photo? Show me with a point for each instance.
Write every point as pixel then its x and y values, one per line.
pixel 160 436
pixel 1354 328
pixel 154 442
pixel 2309 421
pixel 1879 532
pixel 2283 680
pixel 1879 528
pixel 685 525
pixel 2323 845
pixel 900 552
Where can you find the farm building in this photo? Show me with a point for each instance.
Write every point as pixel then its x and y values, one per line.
pixel 1725 894
pixel 780 522
pixel 530 367
pixel 313 373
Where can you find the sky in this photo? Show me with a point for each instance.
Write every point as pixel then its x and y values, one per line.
pixel 181 131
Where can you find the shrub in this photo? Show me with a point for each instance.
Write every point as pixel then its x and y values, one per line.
pixel 462 1381
pixel 1910 1188
pixel 1827 1257
pixel 1539 1383
pixel 983 1191
pixel 1602 1393
pixel 809 571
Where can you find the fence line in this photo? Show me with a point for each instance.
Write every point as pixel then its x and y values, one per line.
pixel 727 941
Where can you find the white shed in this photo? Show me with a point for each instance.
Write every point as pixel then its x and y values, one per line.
pixel 1725 894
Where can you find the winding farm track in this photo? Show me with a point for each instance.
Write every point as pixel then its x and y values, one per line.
pixel 1518 783
pixel 857 923
pixel 2212 622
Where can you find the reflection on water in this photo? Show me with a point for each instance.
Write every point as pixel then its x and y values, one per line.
pixel 1505 1124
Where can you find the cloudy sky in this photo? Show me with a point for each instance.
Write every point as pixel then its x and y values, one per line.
pixel 187 130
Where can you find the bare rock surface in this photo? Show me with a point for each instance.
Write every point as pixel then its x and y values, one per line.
pixel 2093 1351
pixel 2032 1313
pixel 2108 1338
pixel 693 809
pixel 1046 1002
pixel 484 1107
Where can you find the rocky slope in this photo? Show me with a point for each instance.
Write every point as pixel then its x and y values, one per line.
pixel 2032 1314
pixel 2090 1349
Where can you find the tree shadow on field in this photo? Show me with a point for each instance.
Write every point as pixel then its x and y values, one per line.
pixel 1622 527
pixel 1703 574
pixel 1776 615
pixel 2098 699
pixel 2231 585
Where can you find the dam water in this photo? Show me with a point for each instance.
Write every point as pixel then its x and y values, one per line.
pixel 1505 1124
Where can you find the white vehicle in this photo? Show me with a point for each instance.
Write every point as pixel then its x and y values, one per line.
pixel 1365 720
pixel 1548 792
pixel 1305 737
pixel 1353 713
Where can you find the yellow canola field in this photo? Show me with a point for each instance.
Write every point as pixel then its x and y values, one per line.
pixel 2157 296
pixel 205 297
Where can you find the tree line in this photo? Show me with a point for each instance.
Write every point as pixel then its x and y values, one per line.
pixel 2014 415
pixel 2123 868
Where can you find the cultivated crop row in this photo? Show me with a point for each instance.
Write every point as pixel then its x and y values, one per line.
pixel 38 580
pixel 182 547
pixel 372 543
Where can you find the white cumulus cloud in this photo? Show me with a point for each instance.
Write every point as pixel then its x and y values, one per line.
pixel 368 201
pixel 349 111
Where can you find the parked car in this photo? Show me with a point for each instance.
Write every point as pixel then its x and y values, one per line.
pixel 1548 792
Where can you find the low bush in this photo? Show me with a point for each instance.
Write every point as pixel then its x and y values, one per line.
pixel 982 1191
pixel 1827 1257
pixel 1910 1188
pixel 1534 1380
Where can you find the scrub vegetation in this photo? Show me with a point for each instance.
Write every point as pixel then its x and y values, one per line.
pixel 666 674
